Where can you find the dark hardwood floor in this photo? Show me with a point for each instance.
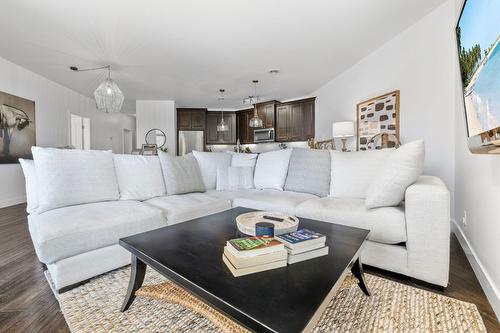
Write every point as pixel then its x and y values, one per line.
pixel 28 305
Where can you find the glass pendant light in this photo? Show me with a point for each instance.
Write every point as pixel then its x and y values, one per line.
pixel 222 126
pixel 255 121
pixel 108 97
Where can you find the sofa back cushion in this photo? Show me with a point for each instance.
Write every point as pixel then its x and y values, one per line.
pixel 181 174
pixel 309 171
pixel 139 177
pixel 400 170
pixel 243 160
pixel 234 178
pixel 209 163
pixel 71 177
pixel 271 169
pixel 352 172
pixel 31 182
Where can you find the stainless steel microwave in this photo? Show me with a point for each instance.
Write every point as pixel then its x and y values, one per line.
pixel 263 135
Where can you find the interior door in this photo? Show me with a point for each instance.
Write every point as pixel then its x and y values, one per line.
pixel 127 141
pixel 79 132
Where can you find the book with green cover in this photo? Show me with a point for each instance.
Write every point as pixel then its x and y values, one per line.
pixel 252 246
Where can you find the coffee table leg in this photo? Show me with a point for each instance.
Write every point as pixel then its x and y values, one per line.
pixel 137 273
pixel 357 271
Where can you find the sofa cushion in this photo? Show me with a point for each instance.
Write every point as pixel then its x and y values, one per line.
pixel 402 168
pixel 271 169
pixel 180 208
pixel 243 159
pixel 228 195
pixel 139 177
pixel 309 171
pixel 31 183
pixel 72 230
pixel 387 224
pixel 209 163
pixel 181 174
pixel 71 177
pixel 273 200
pixel 352 172
pixel 234 178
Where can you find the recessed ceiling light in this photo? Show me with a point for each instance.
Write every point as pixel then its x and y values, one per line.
pixel 274 71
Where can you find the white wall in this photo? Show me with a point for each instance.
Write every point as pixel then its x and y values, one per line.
pixel 53 104
pixel 477 191
pixel 422 62
pixel 417 62
pixel 157 114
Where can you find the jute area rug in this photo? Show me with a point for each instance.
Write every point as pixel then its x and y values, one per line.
pixel 164 307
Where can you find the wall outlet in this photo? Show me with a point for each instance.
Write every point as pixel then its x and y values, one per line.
pixel 464 218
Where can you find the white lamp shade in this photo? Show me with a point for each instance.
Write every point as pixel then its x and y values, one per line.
pixel 343 129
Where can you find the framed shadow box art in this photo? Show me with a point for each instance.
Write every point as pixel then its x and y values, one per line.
pixel 17 128
pixel 378 115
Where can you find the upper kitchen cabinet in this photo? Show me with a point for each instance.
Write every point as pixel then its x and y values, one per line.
pixel 191 119
pixel 245 133
pixel 227 137
pixel 266 112
pixel 295 120
pixel 308 119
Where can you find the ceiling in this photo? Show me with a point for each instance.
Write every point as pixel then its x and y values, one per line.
pixel 185 50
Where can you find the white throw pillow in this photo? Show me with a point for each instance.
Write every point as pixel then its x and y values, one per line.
pixel 402 168
pixel 31 182
pixel 243 159
pixel 72 176
pixel 271 169
pixel 181 174
pixel 209 162
pixel 139 177
pixel 234 178
pixel 352 172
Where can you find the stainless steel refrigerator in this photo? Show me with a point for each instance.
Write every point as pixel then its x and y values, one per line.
pixel 189 141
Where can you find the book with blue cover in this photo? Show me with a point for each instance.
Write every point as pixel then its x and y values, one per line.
pixel 302 238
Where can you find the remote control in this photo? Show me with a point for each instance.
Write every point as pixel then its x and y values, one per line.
pixel 277 219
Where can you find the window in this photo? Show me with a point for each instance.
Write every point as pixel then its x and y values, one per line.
pixel 80 132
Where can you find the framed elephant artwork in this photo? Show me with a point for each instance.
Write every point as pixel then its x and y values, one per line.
pixel 17 128
pixel 378 116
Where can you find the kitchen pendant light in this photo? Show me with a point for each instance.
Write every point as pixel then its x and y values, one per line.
pixel 108 97
pixel 255 121
pixel 222 126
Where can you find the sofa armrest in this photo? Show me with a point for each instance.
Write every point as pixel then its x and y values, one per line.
pixel 427 211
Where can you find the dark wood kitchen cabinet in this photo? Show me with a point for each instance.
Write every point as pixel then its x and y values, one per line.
pixel 212 136
pixel 282 122
pixel 295 120
pixel 191 119
pixel 266 112
pixel 308 119
pixel 245 132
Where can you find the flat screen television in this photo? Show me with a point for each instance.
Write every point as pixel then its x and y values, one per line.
pixel 478 41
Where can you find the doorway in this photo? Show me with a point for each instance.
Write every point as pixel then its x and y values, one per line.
pixel 127 141
pixel 80 132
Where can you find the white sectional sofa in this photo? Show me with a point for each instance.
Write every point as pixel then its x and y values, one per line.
pixel 80 203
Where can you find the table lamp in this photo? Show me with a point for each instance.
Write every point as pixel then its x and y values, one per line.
pixel 343 130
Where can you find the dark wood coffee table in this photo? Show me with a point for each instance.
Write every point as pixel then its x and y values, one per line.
pixel 288 299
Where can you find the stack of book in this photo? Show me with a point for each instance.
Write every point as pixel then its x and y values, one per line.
pixel 254 254
pixel 303 244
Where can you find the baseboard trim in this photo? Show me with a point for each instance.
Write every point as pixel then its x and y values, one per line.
pixel 482 275
pixel 12 201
